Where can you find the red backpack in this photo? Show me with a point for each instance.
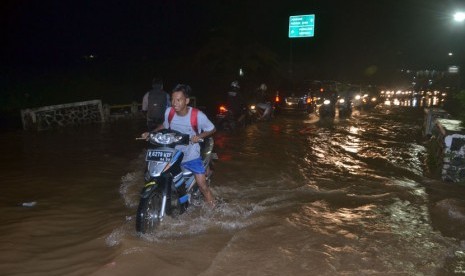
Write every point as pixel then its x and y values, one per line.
pixel 194 113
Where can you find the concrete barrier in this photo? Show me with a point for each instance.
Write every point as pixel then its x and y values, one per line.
pixel 53 116
pixel 48 117
pixel 120 111
pixel 447 147
pixel 431 114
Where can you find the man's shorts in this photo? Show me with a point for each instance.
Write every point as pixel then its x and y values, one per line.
pixel 195 166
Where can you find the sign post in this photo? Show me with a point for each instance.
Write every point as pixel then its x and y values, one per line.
pixel 301 26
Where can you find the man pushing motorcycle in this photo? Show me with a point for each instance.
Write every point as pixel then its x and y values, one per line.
pixel 195 123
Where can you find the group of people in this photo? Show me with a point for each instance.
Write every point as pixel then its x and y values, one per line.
pixel 158 105
pixel 237 104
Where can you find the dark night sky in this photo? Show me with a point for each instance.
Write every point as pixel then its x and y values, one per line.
pixel 349 34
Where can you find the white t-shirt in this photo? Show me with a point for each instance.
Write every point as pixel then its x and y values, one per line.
pixel 183 125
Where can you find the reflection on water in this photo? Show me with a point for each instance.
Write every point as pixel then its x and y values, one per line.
pixel 297 196
pixel 415 101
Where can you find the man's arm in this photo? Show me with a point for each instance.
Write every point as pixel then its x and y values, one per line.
pixel 204 123
pixel 158 128
pixel 203 135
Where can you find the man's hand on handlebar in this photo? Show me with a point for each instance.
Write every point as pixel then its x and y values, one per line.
pixel 196 139
pixel 145 135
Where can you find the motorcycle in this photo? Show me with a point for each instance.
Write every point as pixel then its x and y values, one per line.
pixel 326 108
pixel 254 112
pixel 169 189
pixel 273 105
pixel 344 106
pixel 225 119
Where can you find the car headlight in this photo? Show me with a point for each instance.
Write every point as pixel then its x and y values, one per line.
pixel 252 107
pixel 374 99
pixel 342 101
pixel 358 97
pixel 326 102
pixel 164 138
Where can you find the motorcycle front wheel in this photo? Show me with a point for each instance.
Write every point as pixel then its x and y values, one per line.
pixel 148 212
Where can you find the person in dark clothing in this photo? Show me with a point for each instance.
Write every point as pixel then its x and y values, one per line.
pixel 235 101
pixel 263 102
pixel 154 103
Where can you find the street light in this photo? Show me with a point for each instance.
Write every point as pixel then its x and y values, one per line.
pixel 456 69
pixel 459 16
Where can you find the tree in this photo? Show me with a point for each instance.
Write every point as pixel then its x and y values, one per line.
pixel 226 52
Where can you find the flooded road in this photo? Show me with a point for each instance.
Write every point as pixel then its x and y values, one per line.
pixel 297 196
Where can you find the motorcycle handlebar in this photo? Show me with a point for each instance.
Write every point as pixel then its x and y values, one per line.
pixel 142 138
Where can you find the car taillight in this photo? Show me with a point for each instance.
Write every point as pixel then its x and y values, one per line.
pixel 309 100
pixel 277 99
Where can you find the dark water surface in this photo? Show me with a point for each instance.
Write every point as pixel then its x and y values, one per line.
pixel 297 197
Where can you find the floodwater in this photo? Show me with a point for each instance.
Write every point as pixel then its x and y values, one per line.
pixel 297 196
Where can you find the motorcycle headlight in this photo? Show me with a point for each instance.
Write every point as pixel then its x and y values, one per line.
pixel 341 101
pixel 164 138
pixel 373 99
pixel 358 97
pixel 326 102
pixel 252 107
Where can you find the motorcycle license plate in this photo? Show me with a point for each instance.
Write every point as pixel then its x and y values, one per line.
pixel 158 155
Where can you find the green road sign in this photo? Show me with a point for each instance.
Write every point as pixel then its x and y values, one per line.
pixel 301 26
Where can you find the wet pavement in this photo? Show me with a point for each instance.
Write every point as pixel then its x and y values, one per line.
pixel 297 196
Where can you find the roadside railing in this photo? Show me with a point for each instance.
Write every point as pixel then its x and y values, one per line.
pixel 78 113
pixel 119 111
pixel 61 115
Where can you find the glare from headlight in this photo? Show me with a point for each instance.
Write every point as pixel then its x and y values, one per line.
pixel 164 139
pixel 459 16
